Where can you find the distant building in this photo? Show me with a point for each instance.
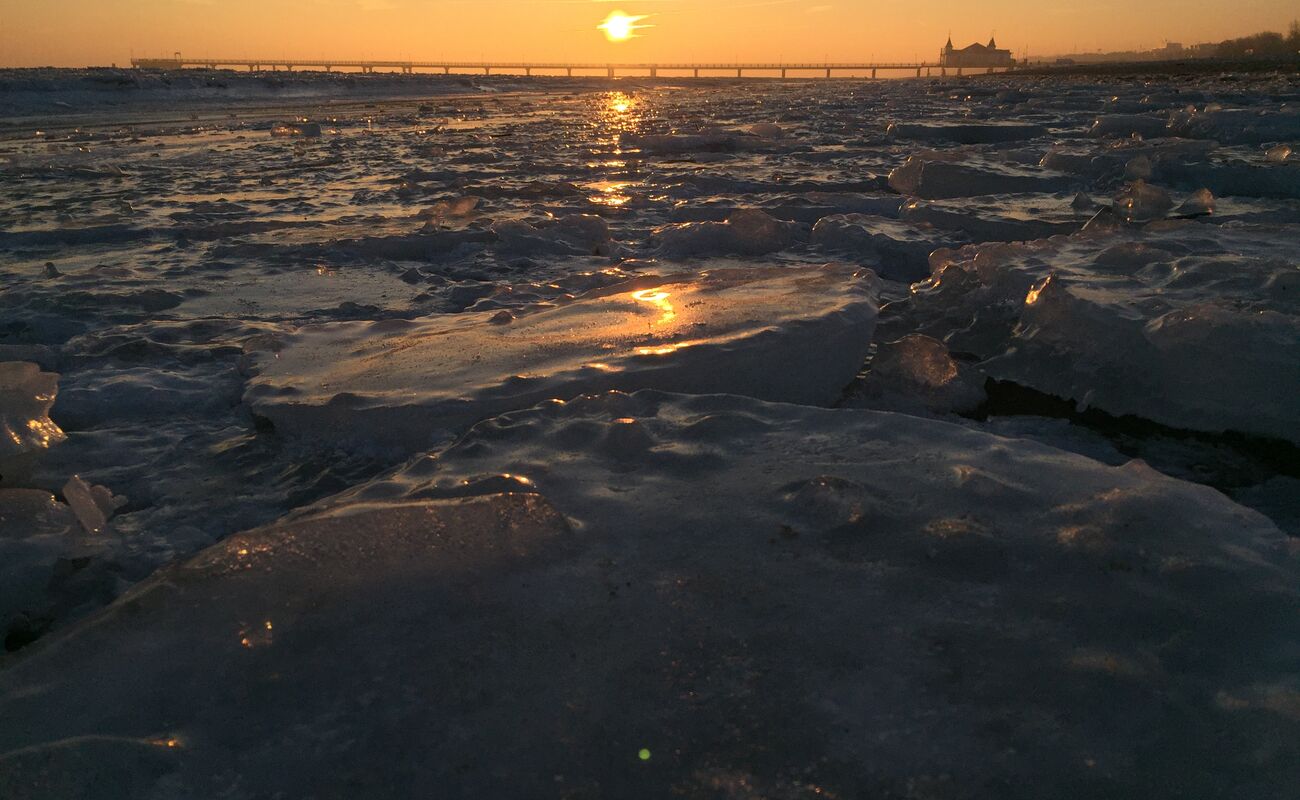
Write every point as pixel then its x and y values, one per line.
pixel 977 55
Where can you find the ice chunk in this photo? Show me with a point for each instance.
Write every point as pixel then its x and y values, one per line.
pixel 451 208
pixel 896 250
pixel 1130 323
pixel 747 232
pixel 574 234
pixel 1278 154
pixel 1270 122
pixel 1140 201
pixel 791 334
pixel 26 394
pixel 769 583
pixel 768 130
pixel 917 371
pixel 1139 168
pixel 1198 204
pixel 937 180
pixel 93 505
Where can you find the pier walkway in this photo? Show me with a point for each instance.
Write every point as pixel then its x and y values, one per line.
pixel 714 69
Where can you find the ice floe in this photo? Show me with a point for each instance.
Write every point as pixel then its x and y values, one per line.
pixel 708 592
pixel 1188 325
pixel 746 232
pixel 896 250
pixel 935 179
pixel 791 334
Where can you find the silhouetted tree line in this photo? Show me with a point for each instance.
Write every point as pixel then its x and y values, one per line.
pixel 1268 45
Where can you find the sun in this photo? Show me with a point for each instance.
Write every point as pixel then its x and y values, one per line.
pixel 620 27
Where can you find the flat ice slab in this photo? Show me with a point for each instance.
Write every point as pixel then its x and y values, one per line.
pixel 788 334
pixel 717 597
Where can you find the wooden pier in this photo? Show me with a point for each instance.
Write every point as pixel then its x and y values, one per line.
pixel 570 69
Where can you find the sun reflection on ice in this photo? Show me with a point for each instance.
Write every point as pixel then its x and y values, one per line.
pixel 620 111
pixel 659 299
pixel 611 194
pixel 661 350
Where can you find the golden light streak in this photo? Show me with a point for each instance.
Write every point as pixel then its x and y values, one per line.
pixel 659 299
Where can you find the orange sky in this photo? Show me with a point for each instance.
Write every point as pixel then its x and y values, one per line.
pixel 94 32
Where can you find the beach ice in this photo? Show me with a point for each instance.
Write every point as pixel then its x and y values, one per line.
pixel 756 595
pixel 933 179
pixel 1141 201
pixel 774 601
pixel 792 334
pixel 92 505
pixel 1189 325
pixel 746 232
pixel 896 250
pixel 26 394
pixel 918 373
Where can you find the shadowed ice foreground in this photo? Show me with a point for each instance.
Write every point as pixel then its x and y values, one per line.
pixel 770 599
pixel 499 438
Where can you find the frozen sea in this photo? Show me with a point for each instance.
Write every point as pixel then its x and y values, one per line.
pixel 500 437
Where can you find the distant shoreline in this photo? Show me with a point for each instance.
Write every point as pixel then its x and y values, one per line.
pixel 1164 68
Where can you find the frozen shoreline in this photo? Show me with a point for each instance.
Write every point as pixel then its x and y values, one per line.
pixel 303 388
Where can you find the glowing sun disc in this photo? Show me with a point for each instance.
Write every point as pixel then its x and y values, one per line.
pixel 620 27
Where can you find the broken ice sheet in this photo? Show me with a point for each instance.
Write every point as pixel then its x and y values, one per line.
pixel 789 334
pixel 1189 325
pixel 740 586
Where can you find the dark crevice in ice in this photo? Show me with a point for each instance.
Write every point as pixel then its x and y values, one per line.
pixel 1233 460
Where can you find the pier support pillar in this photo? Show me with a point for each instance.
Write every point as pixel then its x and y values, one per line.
pixel 654 73
pixel 528 71
pixel 697 73
pixel 737 73
pixel 487 70
pixel 918 72
pixel 873 73
pixel 446 70
pixel 610 72
pixel 782 74
pixel 570 71
pixel 828 73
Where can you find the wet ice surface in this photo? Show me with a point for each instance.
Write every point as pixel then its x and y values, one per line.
pixel 792 334
pixel 243 324
pixel 774 600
